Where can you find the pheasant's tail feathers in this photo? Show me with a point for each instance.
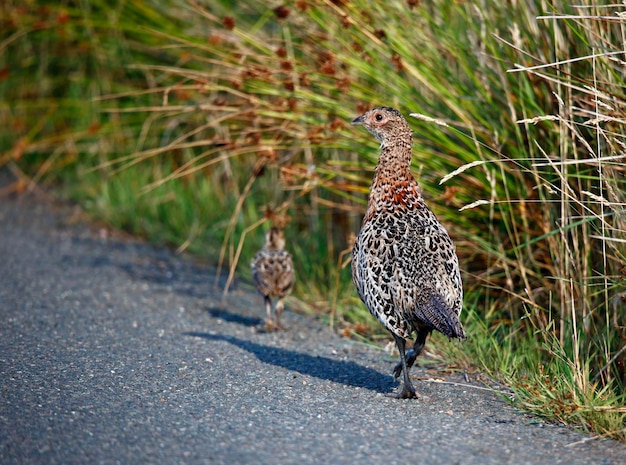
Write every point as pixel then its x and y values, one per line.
pixel 441 317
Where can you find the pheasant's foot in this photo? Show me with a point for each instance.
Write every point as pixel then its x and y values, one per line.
pixel 405 393
pixel 271 325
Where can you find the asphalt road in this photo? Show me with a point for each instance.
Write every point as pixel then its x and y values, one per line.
pixel 113 351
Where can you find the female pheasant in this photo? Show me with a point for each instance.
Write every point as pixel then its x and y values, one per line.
pixel 404 264
pixel 272 271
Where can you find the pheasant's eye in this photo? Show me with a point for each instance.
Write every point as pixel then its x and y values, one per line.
pixel 378 117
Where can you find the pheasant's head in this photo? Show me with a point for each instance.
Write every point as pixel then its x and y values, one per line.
pixel 385 123
pixel 275 239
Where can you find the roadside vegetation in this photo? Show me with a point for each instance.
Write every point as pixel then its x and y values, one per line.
pixel 195 124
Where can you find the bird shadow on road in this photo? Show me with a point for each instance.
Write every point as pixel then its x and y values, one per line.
pixel 145 263
pixel 232 317
pixel 337 371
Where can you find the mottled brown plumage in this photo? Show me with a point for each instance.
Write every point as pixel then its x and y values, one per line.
pixel 272 271
pixel 404 264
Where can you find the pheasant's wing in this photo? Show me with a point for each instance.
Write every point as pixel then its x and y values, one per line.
pixel 427 282
pixel 284 275
pixel 373 274
pixel 261 272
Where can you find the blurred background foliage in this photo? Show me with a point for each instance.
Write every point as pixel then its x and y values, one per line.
pixel 199 123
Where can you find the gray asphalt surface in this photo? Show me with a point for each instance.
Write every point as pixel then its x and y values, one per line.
pixel 113 351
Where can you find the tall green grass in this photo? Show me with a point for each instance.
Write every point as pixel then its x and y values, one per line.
pixel 199 123
pixel 57 61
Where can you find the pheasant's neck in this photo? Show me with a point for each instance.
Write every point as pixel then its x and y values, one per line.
pixel 393 183
pixel 394 162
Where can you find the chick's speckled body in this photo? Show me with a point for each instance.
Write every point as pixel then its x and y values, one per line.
pixel 273 274
pixel 404 264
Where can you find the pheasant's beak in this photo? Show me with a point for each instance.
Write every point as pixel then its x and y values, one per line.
pixel 359 120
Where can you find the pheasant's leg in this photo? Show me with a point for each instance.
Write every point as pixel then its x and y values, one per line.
pixel 268 307
pixel 408 391
pixel 411 355
pixel 279 309
pixel 269 321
